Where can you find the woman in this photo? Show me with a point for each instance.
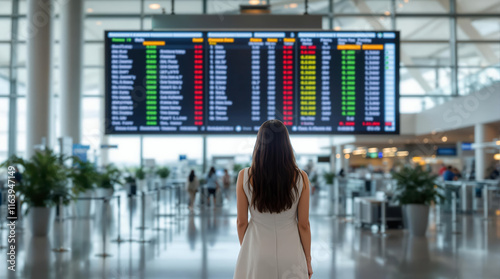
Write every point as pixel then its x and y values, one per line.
pixel 212 185
pixel 276 242
pixel 226 182
pixel 192 188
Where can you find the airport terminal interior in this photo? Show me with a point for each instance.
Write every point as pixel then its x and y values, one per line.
pixel 107 107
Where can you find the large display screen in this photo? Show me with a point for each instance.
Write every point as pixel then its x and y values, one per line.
pixel 208 82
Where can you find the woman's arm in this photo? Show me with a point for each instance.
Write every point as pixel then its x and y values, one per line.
pixel 303 221
pixel 242 205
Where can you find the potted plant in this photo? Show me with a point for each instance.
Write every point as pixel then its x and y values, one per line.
pixel 84 177
pixel 43 186
pixel 329 177
pixel 416 190
pixel 106 180
pixel 163 173
pixel 140 179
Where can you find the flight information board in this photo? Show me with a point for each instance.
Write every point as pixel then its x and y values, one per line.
pixel 216 82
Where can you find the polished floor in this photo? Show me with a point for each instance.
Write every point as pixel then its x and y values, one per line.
pixel 176 244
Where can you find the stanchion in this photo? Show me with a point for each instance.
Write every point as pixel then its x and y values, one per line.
pixel 485 202
pixel 158 193
pixel 143 227
pixel 104 225
pixel 60 221
pixel 454 213
pixel 131 219
pixel 438 216
pixel 143 212
pixel 383 218
pixel 119 226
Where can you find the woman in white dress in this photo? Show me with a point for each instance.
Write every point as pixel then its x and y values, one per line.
pixel 276 242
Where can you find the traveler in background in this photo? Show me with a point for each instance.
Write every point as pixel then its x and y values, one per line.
pixel 212 185
pixel 276 242
pixel 442 169
pixel 226 183
pixel 457 173
pixel 448 175
pixel 192 187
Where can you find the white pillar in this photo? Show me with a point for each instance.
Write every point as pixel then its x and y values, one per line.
pixel 482 133
pixel 39 39
pixel 71 68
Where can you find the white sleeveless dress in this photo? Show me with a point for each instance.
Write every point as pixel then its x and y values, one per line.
pixel 271 247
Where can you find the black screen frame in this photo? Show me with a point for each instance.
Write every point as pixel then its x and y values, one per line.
pixel 107 94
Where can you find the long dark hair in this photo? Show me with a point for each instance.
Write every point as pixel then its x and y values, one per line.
pixel 212 171
pixel 191 176
pixel 274 172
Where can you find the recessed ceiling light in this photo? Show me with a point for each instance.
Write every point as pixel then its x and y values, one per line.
pixel 254 2
pixel 444 139
pixel 426 140
pixel 347 156
pixel 293 5
pixel 337 28
pixel 90 10
pixel 155 6
pixel 387 13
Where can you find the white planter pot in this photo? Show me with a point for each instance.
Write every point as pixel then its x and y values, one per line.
pixel 417 218
pixel 40 220
pixel 84 207
pixel 105 192
pixel 163 182
pixel 141 185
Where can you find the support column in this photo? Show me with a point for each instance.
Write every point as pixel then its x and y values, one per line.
pixel 482 133
pixel 71 69
pixel 39 39
pixel 339 159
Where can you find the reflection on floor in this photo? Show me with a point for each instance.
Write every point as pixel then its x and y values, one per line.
pixel 180 245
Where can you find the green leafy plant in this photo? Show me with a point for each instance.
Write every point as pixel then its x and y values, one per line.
pixel 84 176
pixel 329 177
pixel 416 186
pixel 140 173
pixel 110 176
pixel 163 172
pixel 44 179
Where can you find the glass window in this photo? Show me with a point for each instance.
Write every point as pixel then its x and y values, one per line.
pixel 422 6
pixel 361 23
pixel 362 7
pixel 181 7
pixel 478 6
pixel 4 55
pixel 5 7
pixel 421 80
pixel 21 126
pixel 435 54
pixel 478 54
pixel 478 28
pixel 473 79
pixel 112 7
pixel 416 28
pixel 93 81
pixel 22 53
pixel 21 81
pixel 93 54
pixel 167 149
pixel 92 115
pixel 128 151
pixel 223 7
pixel 4 81
pixel 4 124
pixel 94 27
pixel 5 27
